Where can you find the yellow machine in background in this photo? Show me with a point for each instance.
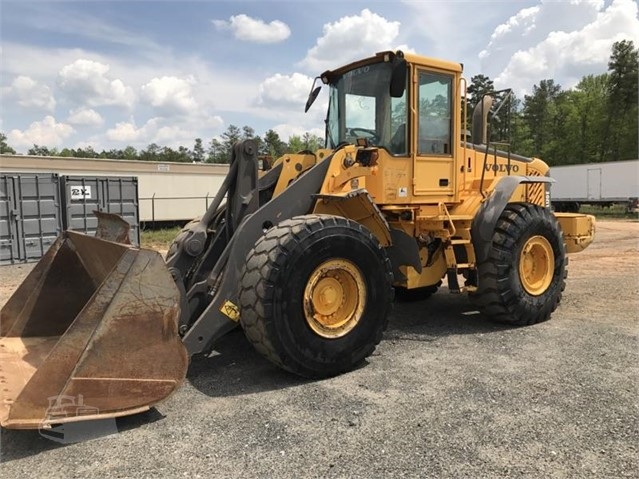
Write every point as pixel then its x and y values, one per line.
pixel 306 256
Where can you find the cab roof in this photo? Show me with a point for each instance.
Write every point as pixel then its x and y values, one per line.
pixel 388 55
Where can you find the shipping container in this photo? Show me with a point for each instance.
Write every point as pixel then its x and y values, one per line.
pixel 602 184
pixel 167 192
pixel 81 195
pixel 29 215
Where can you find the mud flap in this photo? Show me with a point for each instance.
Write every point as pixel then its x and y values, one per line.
pixel 95 324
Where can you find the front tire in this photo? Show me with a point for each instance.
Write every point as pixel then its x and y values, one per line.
pixel 522 280
pixel 316 295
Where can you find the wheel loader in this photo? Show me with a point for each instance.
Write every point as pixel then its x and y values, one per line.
pixel 306 256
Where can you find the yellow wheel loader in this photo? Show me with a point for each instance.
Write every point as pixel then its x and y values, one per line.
pixel 305 256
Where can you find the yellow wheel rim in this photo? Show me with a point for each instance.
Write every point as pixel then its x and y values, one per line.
pixel 536 265
pixel 334 298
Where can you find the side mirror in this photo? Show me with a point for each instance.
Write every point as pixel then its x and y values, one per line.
pixel 312 96
pixel 398 77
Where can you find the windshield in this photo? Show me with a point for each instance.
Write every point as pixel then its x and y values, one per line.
pixel 360 106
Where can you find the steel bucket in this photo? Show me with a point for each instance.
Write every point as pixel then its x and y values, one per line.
pixel 91 333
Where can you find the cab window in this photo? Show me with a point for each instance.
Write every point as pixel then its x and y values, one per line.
pixel 398 144
pixel 434 114
pixel 361 107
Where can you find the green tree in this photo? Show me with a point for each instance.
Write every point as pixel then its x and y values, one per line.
pixel 519 134
pixel 480 85
pixel 312 142
pixel 220 150
pixel 198 151
pixel 230 137
pixel 216 153
pixel 562 132
pixel 151 153
pixel 87 152
pixel 538 112
pixel 620 134
pixel 248 133
pixel 295 144
pixel 112 154
pixel 588 117
pixel 4 146
pixel 39 151
pixel 67 152
pixel 130 153
pixel 307 142
pixel 181 155
pixel 273 144
pixel 184 155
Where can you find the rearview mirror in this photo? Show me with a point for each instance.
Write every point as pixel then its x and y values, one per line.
pixel 312 96
pixel 398 77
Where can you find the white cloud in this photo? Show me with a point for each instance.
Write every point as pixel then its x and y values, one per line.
pixel 254 29
pixel 125 132
pixel 220 86
pixel 350 38
pixel 85 117
pixel 523 23
pixel 164 133
pixel 214 88
pixel 47 132
pixel 288 91
pixel 29 93
pixel 433 26
pixel 170 95
pixel 87 82
pixel 281 100
pixel 558 40
pixel 286 130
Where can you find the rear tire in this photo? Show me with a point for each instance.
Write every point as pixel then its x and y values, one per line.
pixel 316 295
pixel 522 280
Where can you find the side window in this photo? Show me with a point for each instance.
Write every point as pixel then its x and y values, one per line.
pixel 434 114
pixel 398 144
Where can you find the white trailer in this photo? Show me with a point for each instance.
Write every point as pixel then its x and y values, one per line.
pixel 167 192
pixel 603 184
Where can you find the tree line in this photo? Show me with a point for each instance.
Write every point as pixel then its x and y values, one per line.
pixel 595 121
pixel 217 150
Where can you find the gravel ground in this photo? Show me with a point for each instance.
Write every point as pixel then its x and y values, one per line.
pixel 446 394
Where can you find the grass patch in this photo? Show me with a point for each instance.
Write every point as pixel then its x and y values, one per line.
pixel 159 239
pixel 611 212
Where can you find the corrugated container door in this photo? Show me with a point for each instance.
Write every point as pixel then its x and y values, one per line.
pixel 83 195
pixel 29 216
pixel 121 197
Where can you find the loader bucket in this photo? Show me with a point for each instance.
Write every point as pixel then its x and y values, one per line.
pixel 90 333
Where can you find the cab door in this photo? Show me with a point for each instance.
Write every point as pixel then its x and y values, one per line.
pixel 433 145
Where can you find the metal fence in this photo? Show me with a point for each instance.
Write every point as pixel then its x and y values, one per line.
pixel 154 209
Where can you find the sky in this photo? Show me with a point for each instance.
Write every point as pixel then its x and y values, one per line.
pixel 110 74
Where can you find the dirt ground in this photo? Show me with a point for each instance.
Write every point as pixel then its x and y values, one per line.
pixel 446 394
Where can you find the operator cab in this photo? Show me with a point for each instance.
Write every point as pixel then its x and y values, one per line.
pixel 369 102
pixel 409 107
